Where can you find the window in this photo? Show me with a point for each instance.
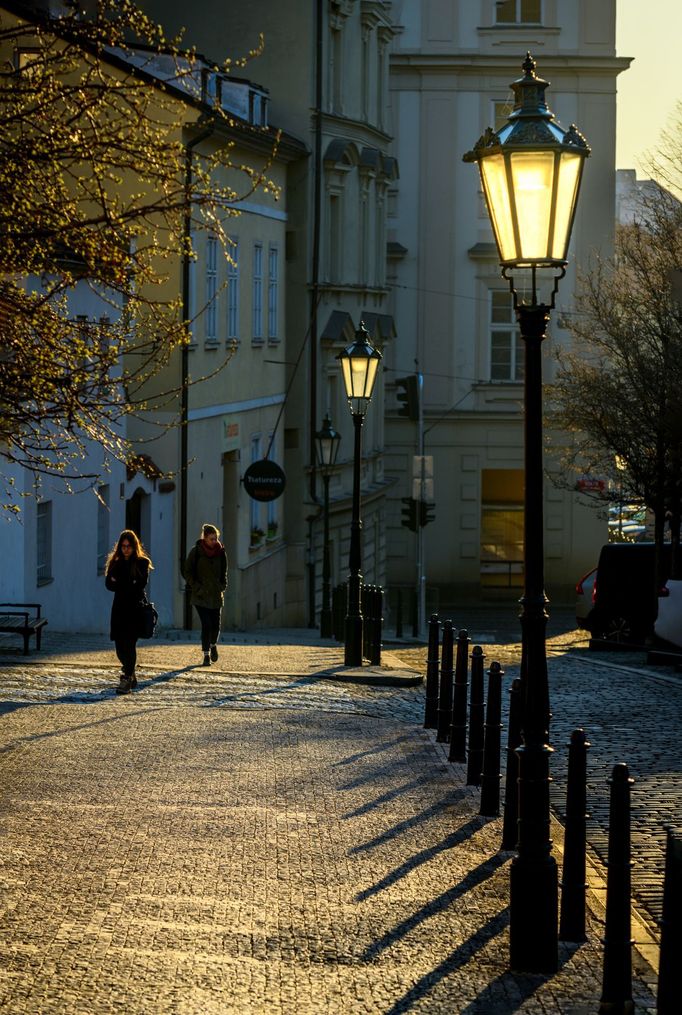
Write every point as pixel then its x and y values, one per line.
pixel 193 296
pixel 102 527
pixel 258 291
pixel 502 503
pixel 519 12
pixel 273 269
pixel 364 74
pixel 381 84
pixel 44 542
pixel 233 291
pixel 211 286
pixel 334 237
pixel 336 70
pixel 506 352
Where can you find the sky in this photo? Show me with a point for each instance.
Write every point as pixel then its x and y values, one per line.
pixel 651 32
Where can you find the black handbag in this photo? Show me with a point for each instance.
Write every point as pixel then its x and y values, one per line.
pixel 147 619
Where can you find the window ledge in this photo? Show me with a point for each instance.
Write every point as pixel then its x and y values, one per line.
pixel 525 26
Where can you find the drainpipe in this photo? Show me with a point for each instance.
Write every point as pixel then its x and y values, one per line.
pixel 184 366
pixel 314 300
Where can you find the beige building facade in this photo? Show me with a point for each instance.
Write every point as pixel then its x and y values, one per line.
pixel 326 67
pixel 451 65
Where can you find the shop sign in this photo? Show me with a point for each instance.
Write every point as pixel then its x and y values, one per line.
pixel 264 480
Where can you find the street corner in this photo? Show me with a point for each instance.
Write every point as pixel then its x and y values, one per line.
pixel 373 676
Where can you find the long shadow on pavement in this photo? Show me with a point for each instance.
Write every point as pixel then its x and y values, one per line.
pixel 507 992
pixel 390 794
pixel 437 905
pixel 67 730
pixel 450 798
pixel 449 842
pixel 365 754
pixel 87 698
pixel 242 695
pixel 494 926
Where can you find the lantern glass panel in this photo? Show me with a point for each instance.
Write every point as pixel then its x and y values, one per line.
pixel 570 171
pixel 494 177
pixel 347 378
pixel 532 176
pixel 371 376
pixel 359 367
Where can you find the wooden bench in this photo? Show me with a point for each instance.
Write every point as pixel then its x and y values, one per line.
pixel 16 618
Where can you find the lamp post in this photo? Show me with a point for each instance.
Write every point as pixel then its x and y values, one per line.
pixel 531 170
pixel 359 363
pixel 327 442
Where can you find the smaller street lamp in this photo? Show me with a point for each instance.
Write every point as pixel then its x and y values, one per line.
pixel 360 362
pixel 327 441
pixel 531 170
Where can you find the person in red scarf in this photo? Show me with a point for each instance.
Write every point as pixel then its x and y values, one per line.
pixel 205 572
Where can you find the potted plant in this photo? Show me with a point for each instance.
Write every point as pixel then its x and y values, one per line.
pixel 257 536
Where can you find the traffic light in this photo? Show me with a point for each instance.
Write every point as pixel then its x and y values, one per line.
pixel 410 510
pixel 427 512
pixel 409 396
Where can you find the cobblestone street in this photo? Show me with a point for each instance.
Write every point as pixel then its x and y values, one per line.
pixel 233 840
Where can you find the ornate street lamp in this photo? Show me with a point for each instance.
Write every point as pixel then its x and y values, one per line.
pixel 327 442
pixel 359 363
pixel 531 170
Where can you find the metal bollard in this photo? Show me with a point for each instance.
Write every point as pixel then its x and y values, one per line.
pixel 366 618
pixel 476 718
pixel 616 998
pixel 510 823
pixel 431 703
pixel 490 779
pixel 339 595
pixel 445 690
pixel 668 1001
pixel 377 610
pixel 458 730
pixel 399 615
pixel 573 884
pixel 415 615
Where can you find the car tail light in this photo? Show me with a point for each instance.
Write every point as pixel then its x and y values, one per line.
pixel 579 587
pixel 594 590
pixel 663 592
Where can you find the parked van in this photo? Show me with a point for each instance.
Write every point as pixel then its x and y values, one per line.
pixel 622 592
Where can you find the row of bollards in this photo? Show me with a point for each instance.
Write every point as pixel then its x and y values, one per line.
pixel 445 709
pixel 475 738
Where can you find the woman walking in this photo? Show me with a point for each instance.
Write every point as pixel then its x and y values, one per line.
pixel 126 574
pixel 205 572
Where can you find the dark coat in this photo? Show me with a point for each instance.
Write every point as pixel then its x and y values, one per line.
pixel 206 577
pixel 128 588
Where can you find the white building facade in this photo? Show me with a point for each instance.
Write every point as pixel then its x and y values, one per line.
pixel 451 66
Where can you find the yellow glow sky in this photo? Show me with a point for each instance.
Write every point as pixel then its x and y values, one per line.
pixel 651 32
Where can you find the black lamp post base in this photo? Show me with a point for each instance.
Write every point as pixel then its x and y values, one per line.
pixel 533 921
pixel 326 629
pixel 353 646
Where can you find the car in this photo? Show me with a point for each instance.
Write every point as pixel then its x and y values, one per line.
pixel 584 603
pixel 668 623
pixel 618 600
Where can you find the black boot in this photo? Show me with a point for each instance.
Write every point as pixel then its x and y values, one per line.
pixel 126 685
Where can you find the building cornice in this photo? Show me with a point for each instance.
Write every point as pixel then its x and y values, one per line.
pixel 474 64
pixel 360 131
